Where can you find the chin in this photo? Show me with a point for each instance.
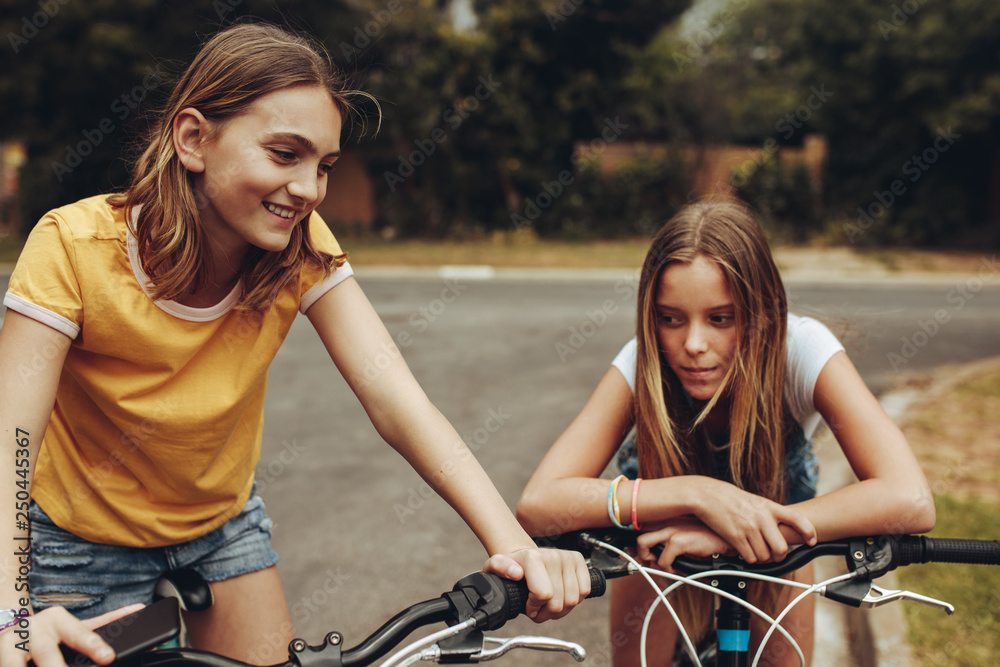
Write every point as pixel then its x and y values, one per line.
pixel 274 245
pixel 701 393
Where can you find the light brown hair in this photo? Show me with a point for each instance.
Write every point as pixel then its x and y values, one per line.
pixel 231 71
pixel 669 437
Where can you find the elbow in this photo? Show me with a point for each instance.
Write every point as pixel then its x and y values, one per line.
pixel 529 513
pixel 535 513
pixel 927 515
pixel 919 512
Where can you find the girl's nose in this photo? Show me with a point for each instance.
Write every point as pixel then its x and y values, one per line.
pixel 305 188
pixel 695 342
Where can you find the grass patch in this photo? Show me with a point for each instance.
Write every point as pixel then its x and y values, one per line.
pixel 970 637
pixel 498 252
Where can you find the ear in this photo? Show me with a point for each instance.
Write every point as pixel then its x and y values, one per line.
pixel 190 134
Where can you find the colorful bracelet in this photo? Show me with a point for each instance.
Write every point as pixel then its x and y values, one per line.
pixel 614 510
pixel 635 503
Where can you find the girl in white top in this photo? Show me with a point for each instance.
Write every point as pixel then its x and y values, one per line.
pixel 723 389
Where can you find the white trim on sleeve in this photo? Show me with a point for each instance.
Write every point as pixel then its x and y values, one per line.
pixel 43 315
pixel 343 272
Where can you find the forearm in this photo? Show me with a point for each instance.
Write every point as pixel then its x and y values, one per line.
pixel 871 507
pixel 550 507
pixel 28 393
pixel 438 454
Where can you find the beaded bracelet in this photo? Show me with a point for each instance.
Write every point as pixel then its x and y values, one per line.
pixel 635 503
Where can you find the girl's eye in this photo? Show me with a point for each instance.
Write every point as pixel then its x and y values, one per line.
pixel 327 168
pixel 667 319
pixel 722 319
pixel 286 156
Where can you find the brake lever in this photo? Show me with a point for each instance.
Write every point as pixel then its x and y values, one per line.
pixel 531 642
pixel 877 597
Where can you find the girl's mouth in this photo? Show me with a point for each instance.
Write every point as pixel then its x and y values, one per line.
pixel 280 211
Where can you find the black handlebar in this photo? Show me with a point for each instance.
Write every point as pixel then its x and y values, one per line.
pixel 920 549
pixel 488 598
pixel 868 557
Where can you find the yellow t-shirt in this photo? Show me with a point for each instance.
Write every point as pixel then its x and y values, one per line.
pixel 158 420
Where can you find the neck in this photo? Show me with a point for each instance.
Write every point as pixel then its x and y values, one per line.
pixel 218 283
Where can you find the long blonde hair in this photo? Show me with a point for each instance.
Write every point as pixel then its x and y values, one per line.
pixel 669 432
pixel 231 71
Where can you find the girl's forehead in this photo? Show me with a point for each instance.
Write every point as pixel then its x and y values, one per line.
pixel 305 110
pixel 698 282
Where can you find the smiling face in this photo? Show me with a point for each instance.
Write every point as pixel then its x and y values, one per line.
pixel 264 170
pixel 696 325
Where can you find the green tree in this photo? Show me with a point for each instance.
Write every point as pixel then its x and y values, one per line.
pixel 913 126
pixel 81 80
pixel 510 99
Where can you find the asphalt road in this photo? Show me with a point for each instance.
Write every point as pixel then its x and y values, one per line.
pixel 510 362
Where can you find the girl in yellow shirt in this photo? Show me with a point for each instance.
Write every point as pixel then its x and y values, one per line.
pixel 153 316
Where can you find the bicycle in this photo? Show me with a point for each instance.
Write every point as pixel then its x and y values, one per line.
pixel 867 559
pixel 477 603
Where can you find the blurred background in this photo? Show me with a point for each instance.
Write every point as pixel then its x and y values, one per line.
pixel 860 122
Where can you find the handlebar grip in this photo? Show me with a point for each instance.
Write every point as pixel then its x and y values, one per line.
pixel 920 549
pixel 517 592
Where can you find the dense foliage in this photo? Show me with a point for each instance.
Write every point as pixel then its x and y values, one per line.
pixel 483 127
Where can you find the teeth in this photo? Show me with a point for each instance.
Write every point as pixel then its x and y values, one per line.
pixel 280 211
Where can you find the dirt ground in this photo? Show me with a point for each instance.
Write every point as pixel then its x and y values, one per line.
pixel 954 428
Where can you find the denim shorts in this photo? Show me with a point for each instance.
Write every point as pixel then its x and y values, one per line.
pixel 90 579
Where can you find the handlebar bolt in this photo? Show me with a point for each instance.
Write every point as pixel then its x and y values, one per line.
pixel 334 638
pixel 741 585
pixel 858 555
pixel 715 583
pixel 298 646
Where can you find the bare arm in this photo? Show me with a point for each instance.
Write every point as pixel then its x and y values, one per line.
pixel 403 415
pixel 892 494
pixel 565 492
pixel 31 359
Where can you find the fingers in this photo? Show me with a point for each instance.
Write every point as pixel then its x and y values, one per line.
pixel 557 580
pixel 505 566
pixel 799 523
pixel 48 629
pixel 112 616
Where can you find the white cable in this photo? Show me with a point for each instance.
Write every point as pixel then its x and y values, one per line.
pixel 802 596
pixel 692 581
pixel 641 570
pixel 429 639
